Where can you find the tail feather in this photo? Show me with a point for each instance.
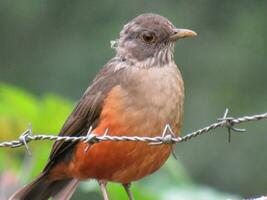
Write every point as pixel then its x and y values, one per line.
pixel 68 190
pixel 42 189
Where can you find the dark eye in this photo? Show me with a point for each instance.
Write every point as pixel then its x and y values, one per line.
pixel 148 37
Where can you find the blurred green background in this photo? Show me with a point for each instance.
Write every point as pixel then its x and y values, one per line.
pixel 51 50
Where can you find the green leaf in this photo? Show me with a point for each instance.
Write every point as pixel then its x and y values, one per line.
pixel 16 102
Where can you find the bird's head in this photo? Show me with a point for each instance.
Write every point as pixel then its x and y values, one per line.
pixel 150 38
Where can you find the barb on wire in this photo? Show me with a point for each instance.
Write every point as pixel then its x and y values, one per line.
pixel 89 135
pixel 167 137
pixel 23 138
pixel 229 125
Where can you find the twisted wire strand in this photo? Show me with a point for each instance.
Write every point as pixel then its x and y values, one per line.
pixel 167 136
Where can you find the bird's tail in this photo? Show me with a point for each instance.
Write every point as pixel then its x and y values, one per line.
pixel 42 189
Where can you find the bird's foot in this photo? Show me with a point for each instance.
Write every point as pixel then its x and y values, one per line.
pixel 103 187
pixel 127 189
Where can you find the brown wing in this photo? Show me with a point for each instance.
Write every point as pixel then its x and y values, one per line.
pixel 87 111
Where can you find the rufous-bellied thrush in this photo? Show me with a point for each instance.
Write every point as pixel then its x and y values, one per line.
pixel 137 93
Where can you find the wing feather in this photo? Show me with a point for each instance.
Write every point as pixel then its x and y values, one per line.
pixel 87 111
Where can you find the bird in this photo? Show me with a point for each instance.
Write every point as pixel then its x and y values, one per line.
pixel 137 93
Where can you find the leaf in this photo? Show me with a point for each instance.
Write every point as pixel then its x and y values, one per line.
pixel 17 103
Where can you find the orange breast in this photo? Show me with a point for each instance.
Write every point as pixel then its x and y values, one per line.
pixel 124 161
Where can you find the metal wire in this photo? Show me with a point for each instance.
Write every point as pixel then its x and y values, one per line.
pixel 167 136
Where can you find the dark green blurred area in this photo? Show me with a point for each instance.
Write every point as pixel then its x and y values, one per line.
pixel 59 46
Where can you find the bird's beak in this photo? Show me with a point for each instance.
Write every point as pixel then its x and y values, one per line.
pixel 182 33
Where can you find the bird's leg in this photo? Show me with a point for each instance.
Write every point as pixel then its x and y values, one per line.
pixel 127 189
pixel 103 188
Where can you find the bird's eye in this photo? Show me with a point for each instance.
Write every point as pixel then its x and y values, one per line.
pixel 148 37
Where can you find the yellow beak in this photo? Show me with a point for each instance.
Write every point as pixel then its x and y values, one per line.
pixel 182 33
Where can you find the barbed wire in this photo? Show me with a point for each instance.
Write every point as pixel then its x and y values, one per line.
pixel 167 137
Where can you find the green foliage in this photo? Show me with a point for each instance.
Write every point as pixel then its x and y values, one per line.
pixel 18 109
